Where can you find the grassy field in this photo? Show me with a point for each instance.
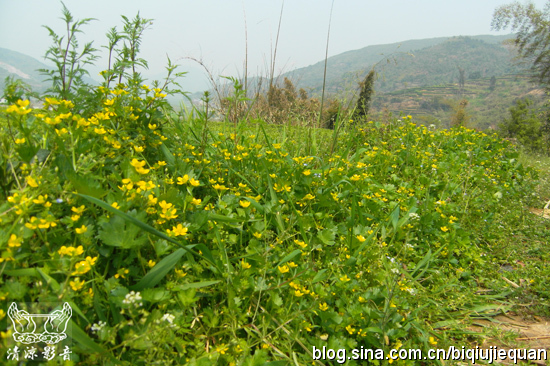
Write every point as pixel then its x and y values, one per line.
pixel 178 240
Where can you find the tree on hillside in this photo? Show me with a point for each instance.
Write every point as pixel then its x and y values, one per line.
pixel 367 88
pixel 533 34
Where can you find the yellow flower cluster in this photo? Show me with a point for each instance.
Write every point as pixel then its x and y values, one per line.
pixel 71 251
pixel 168 212
pixel 21 107
pixel 84 266
pixel 14 241
pixel 139 166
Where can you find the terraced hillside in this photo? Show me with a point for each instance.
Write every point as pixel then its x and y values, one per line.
pixel 488 101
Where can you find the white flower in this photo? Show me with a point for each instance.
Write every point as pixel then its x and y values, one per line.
pixel 168 317
pixel 96 327
pixel 133 298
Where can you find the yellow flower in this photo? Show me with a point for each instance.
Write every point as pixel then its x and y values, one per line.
pixel 292 265
pixel 444 229
pixel 76 284
pixel 31 181
pixel 257 235
pixel 194 182
pixel 345 278
pixel 84 266
pixel 300 243
pixel 283 269
pixel 196 201
pixel 179 230
pixel 151 263
pixel 183 180
pixel 75 217
pixel 355 177
pixel 115 205
pixel 14 241
pixel 432 341
pixel 244 204
pixel 180 273
pixel 245 265
pixel 20 141
pixel 360 238
pixel 298 293
pixel 138 149
pixel 306 172
pixel 81 230
pixel 122 272
pixel 100 131
pixel 78 210
pixel 350 329
pixel 323 306
pixel 152 126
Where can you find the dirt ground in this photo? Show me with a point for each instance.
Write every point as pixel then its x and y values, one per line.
pixel 533 333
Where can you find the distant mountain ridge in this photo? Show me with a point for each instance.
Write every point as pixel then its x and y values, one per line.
pixel 22 67
pixel 411 63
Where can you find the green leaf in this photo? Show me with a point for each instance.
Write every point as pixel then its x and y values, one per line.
pixel 320 276
pixel 394 217
pixel 159 271
pixel 167 154
pixel 290 256
pixel 85 185
pixel 117 233
pixel 49 280
pixel 326 236
pixel 196 285
pixel 144 226
pixel 78 335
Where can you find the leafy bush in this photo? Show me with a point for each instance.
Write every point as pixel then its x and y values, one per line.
pixel 525 125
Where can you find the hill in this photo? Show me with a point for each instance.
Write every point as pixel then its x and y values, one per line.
pixel 21 67
pixel 414 63
pixel 488 101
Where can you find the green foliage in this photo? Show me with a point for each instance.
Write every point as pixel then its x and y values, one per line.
pixel 524 124
pixel 532 27
pixel 365 95
pixel 15 89
pixel 68 58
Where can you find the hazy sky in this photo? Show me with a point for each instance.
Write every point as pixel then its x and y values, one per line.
pixel 214 30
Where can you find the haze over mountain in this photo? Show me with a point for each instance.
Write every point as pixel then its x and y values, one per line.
pixel 413 63
pixel 432 61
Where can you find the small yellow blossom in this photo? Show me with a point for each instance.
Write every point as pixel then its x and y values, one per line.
pixel 31 181
pixel 77 284
pixel 283 269
pixel 244 204
pixel 14 241
pixel 81 230
pixel 323 306
pixel 245 265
